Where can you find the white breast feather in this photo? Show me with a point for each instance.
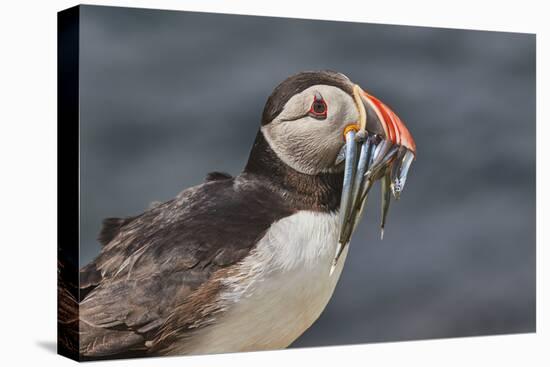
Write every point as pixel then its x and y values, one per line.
pixel 281 288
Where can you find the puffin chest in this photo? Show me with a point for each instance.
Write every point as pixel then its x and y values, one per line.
pixel 282 287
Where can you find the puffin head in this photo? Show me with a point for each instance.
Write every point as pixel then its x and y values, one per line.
pixel 306 118
pixel 321 122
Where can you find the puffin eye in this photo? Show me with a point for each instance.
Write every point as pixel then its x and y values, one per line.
pixel 318 108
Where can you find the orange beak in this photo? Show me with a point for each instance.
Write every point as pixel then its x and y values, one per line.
pixel 394 129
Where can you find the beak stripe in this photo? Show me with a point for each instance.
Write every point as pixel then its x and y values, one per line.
pixel 362 112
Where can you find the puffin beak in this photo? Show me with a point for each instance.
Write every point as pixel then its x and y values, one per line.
pixel 369 157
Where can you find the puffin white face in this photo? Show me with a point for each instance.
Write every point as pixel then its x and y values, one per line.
pixel 307 134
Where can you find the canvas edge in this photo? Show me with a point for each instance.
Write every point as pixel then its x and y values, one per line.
pixel 68 185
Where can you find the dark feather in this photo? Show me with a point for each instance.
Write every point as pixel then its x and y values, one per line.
pixel 215 176
pixel 67 309
pixel 90 277
pixel 110 228
pixel 303 192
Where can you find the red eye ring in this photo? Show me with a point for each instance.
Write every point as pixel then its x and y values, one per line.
pixel 318 108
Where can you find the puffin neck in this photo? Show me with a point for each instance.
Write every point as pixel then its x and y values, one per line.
pixel 320 192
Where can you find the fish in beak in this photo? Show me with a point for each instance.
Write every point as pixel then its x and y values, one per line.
pixel 379 147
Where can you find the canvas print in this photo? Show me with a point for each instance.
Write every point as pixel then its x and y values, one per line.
pixel 235 183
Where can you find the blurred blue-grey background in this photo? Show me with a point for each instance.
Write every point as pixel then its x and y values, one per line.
pixel 168 96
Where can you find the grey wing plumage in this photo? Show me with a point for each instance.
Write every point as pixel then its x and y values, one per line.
pixel 163 258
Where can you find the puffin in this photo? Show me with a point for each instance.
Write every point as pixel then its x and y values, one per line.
pixel 245 263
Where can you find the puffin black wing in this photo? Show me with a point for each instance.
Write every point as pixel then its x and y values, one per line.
pixel 165 258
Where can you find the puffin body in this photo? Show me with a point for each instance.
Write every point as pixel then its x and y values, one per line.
pixel 274 295
pixel 248 262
